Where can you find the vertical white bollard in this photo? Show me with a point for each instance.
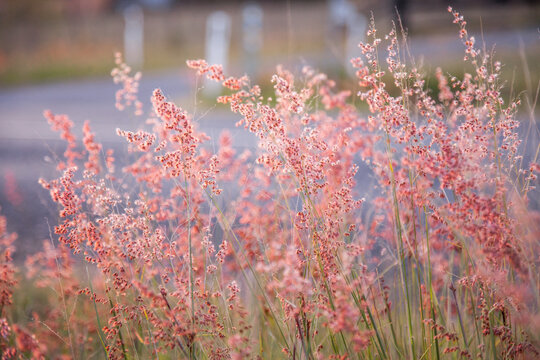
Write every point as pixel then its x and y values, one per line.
pixel 356 32
pixel 218 37
pixel 252 37
pixel 134 36
pixel 340 12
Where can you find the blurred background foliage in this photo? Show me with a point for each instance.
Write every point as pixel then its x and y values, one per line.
pixel 63 39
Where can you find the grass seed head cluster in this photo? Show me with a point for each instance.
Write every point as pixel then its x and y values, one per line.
pixel 402 233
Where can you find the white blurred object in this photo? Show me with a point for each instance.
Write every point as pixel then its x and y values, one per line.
pixel 342 12
pixel 218 37
pixel 252 39
pixel 134 36
pixel 356 33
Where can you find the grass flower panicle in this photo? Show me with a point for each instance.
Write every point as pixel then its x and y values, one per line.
pixel 406 232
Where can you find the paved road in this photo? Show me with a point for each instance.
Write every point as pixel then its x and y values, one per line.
pixel 28 146
pixel 22 108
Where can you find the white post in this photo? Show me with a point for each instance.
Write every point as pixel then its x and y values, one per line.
pixel 252 19
pixel 356 32
pixel 218 36
pixel 340 12
pixel 134 36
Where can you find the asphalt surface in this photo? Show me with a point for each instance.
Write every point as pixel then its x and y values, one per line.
pixel 29 148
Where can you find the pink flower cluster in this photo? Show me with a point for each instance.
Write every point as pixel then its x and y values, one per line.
pixel 398 233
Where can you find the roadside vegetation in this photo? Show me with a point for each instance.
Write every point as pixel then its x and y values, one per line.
pixel 408 232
